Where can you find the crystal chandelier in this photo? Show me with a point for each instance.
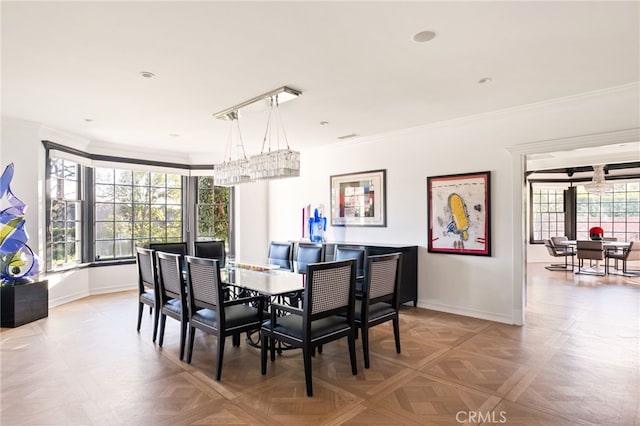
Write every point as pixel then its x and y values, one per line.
pixel 598 183
pixel 269 164
pixel 279 163
pixel 232 172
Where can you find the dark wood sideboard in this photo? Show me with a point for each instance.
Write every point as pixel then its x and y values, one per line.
pixel 23 303
pixel 409 284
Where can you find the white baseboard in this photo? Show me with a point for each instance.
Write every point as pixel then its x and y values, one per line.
pixel 491 316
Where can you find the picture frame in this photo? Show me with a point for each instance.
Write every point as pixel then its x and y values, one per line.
pixel 359 199
pixel 459 214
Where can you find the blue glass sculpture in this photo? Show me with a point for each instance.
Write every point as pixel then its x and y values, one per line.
pixel 317 227
pixel 17 260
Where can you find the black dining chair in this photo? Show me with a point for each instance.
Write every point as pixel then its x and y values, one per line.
pixel 280 253
pixel 380 300
pixel 327 315
pixel 173 297
pixel 209 312
pixel 176 248
pixel 211 250
pixel 147 286
pixel 360 255
pixel 306 253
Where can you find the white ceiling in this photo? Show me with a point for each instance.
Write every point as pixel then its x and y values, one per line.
pixel 355 62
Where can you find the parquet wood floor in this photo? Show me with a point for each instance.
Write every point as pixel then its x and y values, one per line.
pixel 575 362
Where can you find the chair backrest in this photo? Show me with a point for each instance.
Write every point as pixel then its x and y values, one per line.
pixel 350 252
pixel 146 269
pixel 176 248
pixel 610 239
pixel 590 250
pixel 550 248
pixel 633 251
pixel 204 285
pixel 559 241
pixel 383 279
pixel 170 280
pixel 308 253
pixel 211 250
pixel 330 289
pixel 280 253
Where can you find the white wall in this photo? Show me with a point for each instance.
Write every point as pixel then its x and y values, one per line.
pixel 485 287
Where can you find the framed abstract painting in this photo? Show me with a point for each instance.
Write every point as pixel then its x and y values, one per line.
pixel 459 214
pixel 359 199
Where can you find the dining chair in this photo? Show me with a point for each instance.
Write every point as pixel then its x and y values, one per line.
pixel 327 315
pixel 176 248
pixel 173 298
pixel 380 300
pixel 559 240
pixel 589 250
pixel 211 250
pixel 560 251
pixel 280 253
pixel 209 312
pixel 147 286
pixel 630 253
pixel 358 253
pixel 306 253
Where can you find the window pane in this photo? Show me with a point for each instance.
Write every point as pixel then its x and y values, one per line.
pixel 104 192
pixel 104 249
pixel 128 208
pixel 104 211
pixel 65 219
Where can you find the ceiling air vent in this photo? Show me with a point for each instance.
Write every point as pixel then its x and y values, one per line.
pixel 350 135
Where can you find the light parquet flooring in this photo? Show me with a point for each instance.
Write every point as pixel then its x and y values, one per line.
pixel 575 362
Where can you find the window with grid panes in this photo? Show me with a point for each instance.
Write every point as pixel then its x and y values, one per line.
pixel 616 212
pixel 64 236
pixel 135 208
pixel 212 211
pixel 547 212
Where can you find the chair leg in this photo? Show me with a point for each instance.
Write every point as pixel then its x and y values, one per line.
pixel 352 353
pixel 272 348
pixel 365 344
pixel 163 320
pixel 140 309
pixel 150 310
pixel 220 354
pixel 236 340
pixel 156 314
pixel 192 335
pixel 396 332
pixel 183 338
pixel 306 355
pixel 263 353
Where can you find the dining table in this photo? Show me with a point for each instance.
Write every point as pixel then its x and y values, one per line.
pixel 607 246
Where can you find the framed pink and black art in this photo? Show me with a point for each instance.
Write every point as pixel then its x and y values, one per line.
pixel 359 199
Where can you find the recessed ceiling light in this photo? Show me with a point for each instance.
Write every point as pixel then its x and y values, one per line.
pixel 324 123
pixel 174 135
pixel 424 36
pixel 485 80
pixel 147 74
pixel 88 120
